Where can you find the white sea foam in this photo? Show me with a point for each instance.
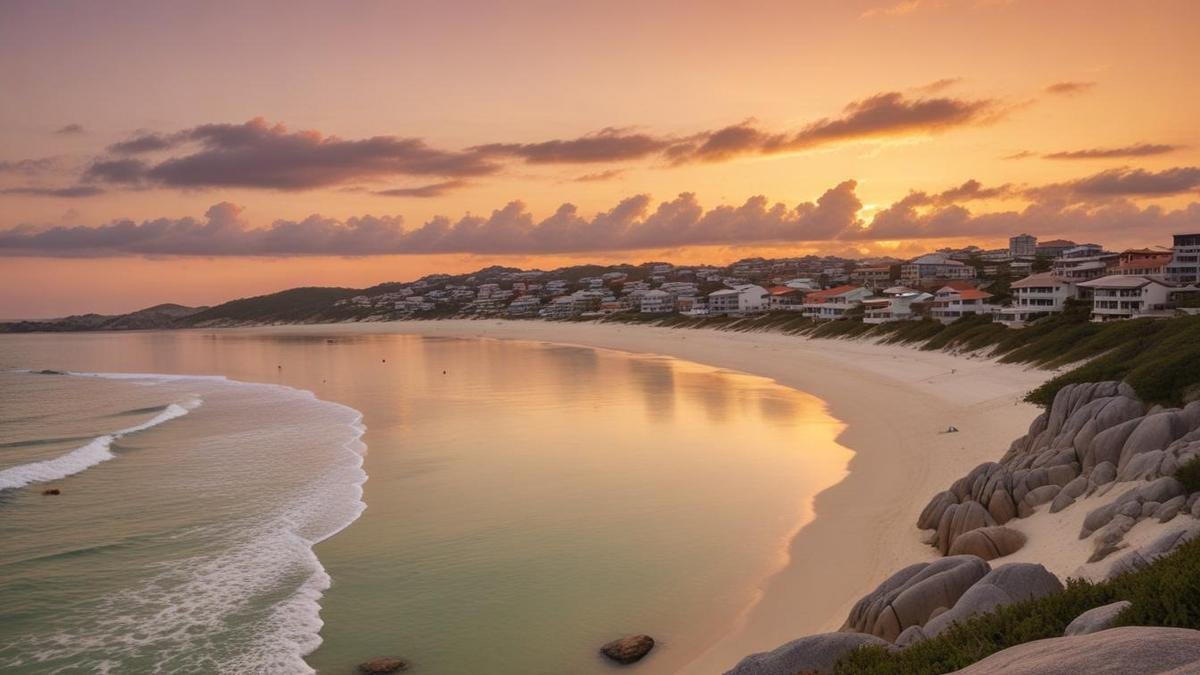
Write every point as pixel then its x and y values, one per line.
pixel 97 450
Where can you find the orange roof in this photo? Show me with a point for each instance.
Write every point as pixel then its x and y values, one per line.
pixel 782 290
pixel 973 294
pixel 832 292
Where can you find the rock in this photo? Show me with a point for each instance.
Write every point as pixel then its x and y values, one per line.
pixel 812 654
pixel 1148 509
pixel 1005 585
pixel 911 636
pixel 1110 538
pixel 1105 472
pixel 383 665
pixel 1170 508
pixel 1161 546
pixel 959 518
pixel 1035 498
pixel 1097 618
pixel 1117 651
pixel 1161 490
pixel 51 491
pixel 628 649
pixel 910 596
pixel 988 543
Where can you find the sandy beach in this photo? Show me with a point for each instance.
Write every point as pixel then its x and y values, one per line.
pixel 896 403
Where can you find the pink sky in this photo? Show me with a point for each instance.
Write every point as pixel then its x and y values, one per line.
pixel 194 152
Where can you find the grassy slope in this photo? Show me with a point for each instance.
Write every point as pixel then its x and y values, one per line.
pixel 1160 358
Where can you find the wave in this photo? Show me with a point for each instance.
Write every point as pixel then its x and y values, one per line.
pixel 95 451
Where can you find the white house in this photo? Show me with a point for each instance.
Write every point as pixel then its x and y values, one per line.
pixel 562 307
pixel 895 305
pixel 833 303
pixel 657 302
pixel 1035 296
pixel 1185 261
pixel 927 268
pixel 1126 296
pixel 526 305
pixel 741 299
pixel 950 303
pixel 785 299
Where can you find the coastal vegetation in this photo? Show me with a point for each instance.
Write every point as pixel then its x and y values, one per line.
pixel 1164 593
pixel 1159 358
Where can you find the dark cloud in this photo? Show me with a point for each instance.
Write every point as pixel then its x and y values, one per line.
pixel 31 167
pixel 431 190
pixel 1125 183
pixel 69 130
pixel 971 190
pixel 1138 150
pixel 607 145
pixel 882 115
pixel 260 155
pixel 1023 154
pixel 71 192
pixel 144 142
pixel 1069 88
pixel 939 85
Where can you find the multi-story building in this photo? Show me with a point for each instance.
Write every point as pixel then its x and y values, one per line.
pixel 1022 246
pixel 1084 262
pixel 951 303
pixel 934 267
pixel 1143 261
pixel 1184 267
pixel 741 299
pixel 1125 296
pixel 657 302
pixel 834 303
pixel 785 299
pixel 1054 247
pixel 526 305
pixel 1035 296
pixel 872 276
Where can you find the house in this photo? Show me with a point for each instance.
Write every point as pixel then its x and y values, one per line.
pixel 690 305
pixel 1022 246
pixel 932 267
pixel 834 303
pixel 803 284
pixel 526 305
pixel 1127 296
pixel 562 307
pixel 895 305
pixel 785 299
pixel 740 299
pixel 1184 267
pixel 657 302
pixel 951 303
pixel 1143 261
pixel 1035 296
pixel 1054 247
pixel 872 276
pixel 1084 262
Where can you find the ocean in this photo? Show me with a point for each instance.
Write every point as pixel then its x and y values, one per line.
pixel 293 499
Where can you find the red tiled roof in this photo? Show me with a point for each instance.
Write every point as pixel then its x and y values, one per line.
pixel 973 294
pixel 782 290
pixel 959 285
pixel 832 292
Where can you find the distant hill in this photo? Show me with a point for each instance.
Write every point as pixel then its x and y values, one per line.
pixel 150 318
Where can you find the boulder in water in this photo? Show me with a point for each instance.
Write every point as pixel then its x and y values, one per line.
pixel 383 665
pixel 52 491
pixel 628 649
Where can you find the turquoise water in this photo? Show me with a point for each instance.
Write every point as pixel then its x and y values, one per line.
pixel 524 502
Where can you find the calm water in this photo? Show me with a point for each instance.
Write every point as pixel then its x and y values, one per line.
pixel 524 502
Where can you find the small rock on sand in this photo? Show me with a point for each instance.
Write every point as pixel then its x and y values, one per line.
pixel 52 491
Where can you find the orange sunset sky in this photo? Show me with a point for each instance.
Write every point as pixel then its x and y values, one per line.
pixel 197 151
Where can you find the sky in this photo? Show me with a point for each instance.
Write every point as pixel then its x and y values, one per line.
pixel 195 152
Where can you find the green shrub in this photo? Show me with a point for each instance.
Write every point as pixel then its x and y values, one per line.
pixel 1189 474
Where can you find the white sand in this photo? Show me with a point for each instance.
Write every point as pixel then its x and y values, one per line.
pixel 895 402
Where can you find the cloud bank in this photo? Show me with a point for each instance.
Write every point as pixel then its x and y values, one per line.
pixel 637 223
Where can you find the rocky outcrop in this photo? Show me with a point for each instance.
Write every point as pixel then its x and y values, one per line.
pixel 1005 585
pixel 1116 651
pixel 1097 619
pixel 988 543
pixel 1093 436
pixel 1159 547
pixel 628 649
pixel 812 654
pixel 911 596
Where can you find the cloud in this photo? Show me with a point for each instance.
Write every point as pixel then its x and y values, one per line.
pixel 939 85
pixel 607 145
pixel 887 114
pixel 897 9
pixel 69 130
pixel 1069 88
pixel 1023 154
pixel 634 223
pixel 431 190
pixel 257 154
pixel 31 167
pixel 71 192
pixel 1138 150
pixel 599 176
pixel 1125 182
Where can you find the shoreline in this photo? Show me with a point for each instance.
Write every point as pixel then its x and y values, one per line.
pixel 894 402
